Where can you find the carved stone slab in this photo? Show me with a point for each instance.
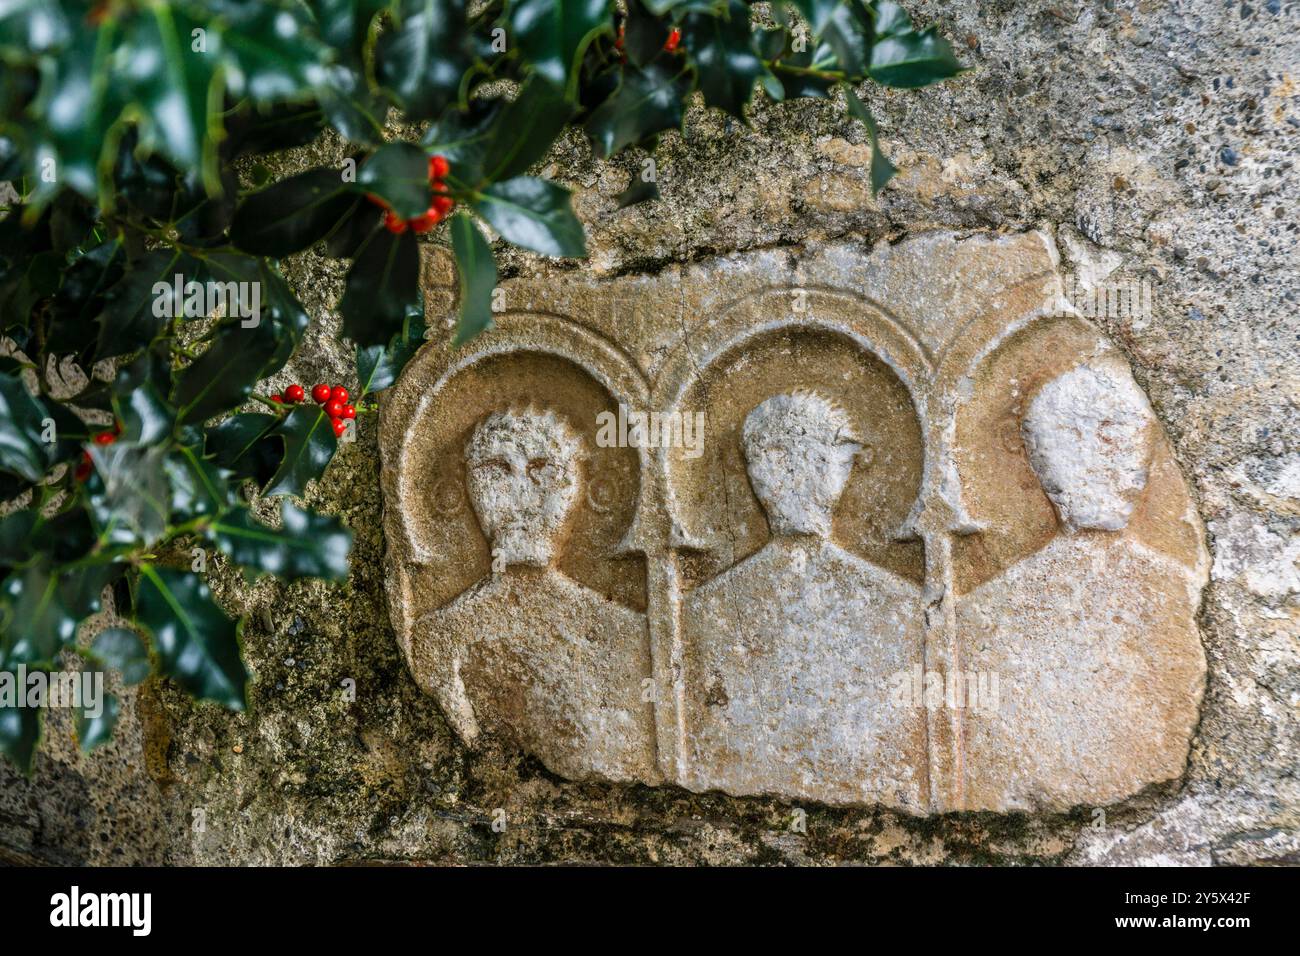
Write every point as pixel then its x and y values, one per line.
pixel 863 527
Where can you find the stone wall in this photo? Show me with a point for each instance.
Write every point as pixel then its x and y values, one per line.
pixel 1153 139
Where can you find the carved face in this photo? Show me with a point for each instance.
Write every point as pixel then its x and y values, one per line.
pixel 523 482
pixel 799 449
pixel 1088 433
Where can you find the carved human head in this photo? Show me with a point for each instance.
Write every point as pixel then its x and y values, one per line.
pixel 1089 434
pixel 799 448
pixel 522 475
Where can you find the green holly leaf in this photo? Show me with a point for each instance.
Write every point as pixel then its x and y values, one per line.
pixel 250 130
pixel 911 60
pixel 307 545
pixel 280 309
pixel 147 183
pixel 477 271
pixel 42 606
pixel 345 24
pixel 244 446
pixel 138 402
pixel 816 13
pixel 15 528
pixel 74 312
pixel 22 451
pixel 40 623
pixel 382 284
pixel 65 536
pixel 356 226
pixel 422 60
pixel 174 76
pixel 270 52
pixel 198 485
pixel 724 56
pixel 82 584
pixel 535 214
pixel 644 35
pixel 523 132
pixel 399 174
pixel 238 275
pixel 223 377
pixel 889 18
pixel 647 102
pixel 882 170
pixel 379 365
pixel 32 26
pixel 351 108
pixel 134 311
pixel 132 506
pixel 848 34
pixel 94 730
pixel 309 444
pixel 197 643
pixel 771 44
pixel 77 105
pixel 243 350
pixel 125 652
pixel 553 34
pixel 292 214
pixel 466 138
pixel 660 7
pixel 638 191
pixel 20 732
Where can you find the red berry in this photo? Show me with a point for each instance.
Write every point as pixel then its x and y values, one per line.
pixel 320 393
pixel 339 427
pixel 333 408
pixel 82 471
pixel 339 394
pixel 277 399
pixel 105 438
pixel 438 167
pixel 424 223
pixel 294 393
pixel 394 223
pixel 442 205
pixel 674 38
pixel 349 411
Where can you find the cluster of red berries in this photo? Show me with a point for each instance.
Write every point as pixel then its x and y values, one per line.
pixel 438 209
pixel 670 45
pixel 333 399
pixel 84 466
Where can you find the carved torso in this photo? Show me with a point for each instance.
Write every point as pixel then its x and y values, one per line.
pixel 553 665
pixel 789 658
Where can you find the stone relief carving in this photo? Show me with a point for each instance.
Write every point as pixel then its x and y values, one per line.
pixel 1093 636
pixel 933 552
pixel 789 653
pixel 527 651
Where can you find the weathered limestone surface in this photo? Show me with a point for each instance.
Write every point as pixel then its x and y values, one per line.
pixel 1148 141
